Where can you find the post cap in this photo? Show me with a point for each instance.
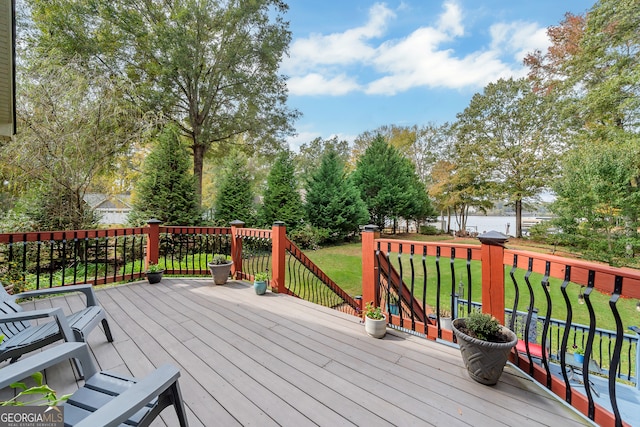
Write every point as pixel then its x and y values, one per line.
pixel 279 224
pixel 370 227
pixel 237 223
pixel 154 221
pixel 493 238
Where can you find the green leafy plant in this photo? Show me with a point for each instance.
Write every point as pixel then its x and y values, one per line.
pixel 373 312
pixel 484 326
pixel 12 275
pixel 220 259
pixel 578 350
pixel 43 394
pixel 154 268
pixel 261 277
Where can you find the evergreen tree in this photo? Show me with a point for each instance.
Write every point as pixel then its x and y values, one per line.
pixel 166 190
pixel 332 200
pixel 235 193
pixel 389 185
pixel 281 198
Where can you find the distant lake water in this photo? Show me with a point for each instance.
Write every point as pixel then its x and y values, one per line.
pixel 483 223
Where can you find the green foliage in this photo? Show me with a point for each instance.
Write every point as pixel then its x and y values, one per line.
pixel 235 196
pixel 262 276
pixel 281 201
pixel 309 237
pixel 154 268
pixel 373 312
pixel 220 259
pixel 333 203
pixel 429 230
pixel 12 275
pixel 42 394
pixel 389 185
pixel 211 67
pixel 166 190
pixel 511 136
pixel 483 325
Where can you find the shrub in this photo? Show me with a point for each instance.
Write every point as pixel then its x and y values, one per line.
pixel 429 230
pixel 309 237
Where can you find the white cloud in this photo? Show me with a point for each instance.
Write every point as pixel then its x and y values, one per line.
pixel 317 84
pixel 518 38
pixel 327 64
pixel 339 48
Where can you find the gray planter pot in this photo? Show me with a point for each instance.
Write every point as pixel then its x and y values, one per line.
pixel 154 277
pixel 220 272
pixel 374 327
pixel 484 360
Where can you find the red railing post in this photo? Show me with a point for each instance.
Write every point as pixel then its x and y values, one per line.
pixel 369 272
pixel 492 254
pixel 153 241
pixel 278 248
pixel 236 250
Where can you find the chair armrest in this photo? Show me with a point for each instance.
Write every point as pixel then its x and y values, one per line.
pixel 86 289
pixel 56 313
pixel 52 356
pixel 135 398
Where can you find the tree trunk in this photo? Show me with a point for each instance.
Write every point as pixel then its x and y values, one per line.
pixel 198 162
pixel 519 218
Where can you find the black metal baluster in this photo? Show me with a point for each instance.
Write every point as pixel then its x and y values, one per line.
pixel 545 328
pixel 615 360
pixel 567 331
pixel 124 255
pixel 438 283
pixel 51 265
pixel 529 313
pixel 64 260
pixel 86 257
pixel 590 338
pixel 38 268
pixel 95 261
pixel 75 257
pixel 400 284
pixel 516 298
pixel 424 288
pixel 413 280
pixel 469 285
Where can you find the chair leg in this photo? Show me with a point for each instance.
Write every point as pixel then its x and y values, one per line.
pixel 179 405
pixel 107 330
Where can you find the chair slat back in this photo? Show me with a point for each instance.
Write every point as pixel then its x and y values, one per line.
pixel 9 306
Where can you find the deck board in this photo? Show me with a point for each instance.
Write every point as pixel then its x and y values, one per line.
pixel 277 360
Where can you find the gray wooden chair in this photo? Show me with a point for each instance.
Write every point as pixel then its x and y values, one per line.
pixel 106 399
pixel 21 336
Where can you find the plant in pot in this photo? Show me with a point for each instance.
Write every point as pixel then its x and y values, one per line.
pixel 578 354
pixel 154 273
pixel 260 282
pixel 375 322
pixel 485 345
pixel 220 267
pixel 392 305
pixel 445 317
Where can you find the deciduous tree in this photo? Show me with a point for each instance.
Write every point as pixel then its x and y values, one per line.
pixel 209 66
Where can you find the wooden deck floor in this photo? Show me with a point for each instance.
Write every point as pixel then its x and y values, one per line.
pixel 276 360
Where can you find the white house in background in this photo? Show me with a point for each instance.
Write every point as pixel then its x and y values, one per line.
pixel 113 209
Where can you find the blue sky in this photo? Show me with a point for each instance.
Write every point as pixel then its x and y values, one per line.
pixel 355 65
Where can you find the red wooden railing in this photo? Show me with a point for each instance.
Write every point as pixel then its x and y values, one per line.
pixel 495 261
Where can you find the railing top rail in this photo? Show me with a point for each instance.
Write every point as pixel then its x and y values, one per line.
pixel 253 232
pixel 194 230
pixel 431 247
pixel 37 236
pixel 605 274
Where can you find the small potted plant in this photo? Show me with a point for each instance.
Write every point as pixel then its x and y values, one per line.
pixel 154 273
pixel 578 354
pixel 392 305
pixel 220 267
pixel 260 282
pixel 445 318
pixel 485 345
pixel 375 322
